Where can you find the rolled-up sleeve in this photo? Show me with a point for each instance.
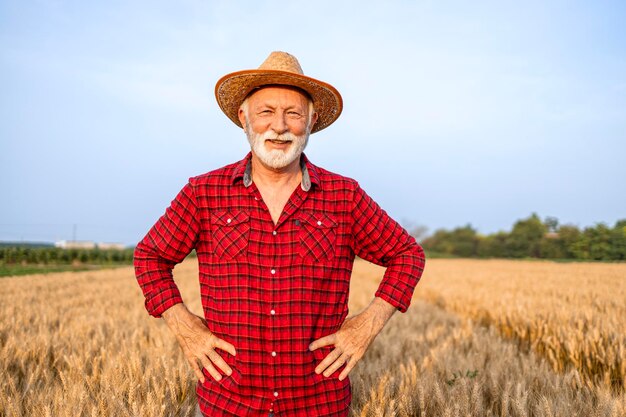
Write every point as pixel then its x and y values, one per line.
pixel 379 239
pixel 167 243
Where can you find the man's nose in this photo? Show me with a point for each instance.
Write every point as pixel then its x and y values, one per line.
pixel 279 124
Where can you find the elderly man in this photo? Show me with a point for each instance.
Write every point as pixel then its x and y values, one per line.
pixel 276 237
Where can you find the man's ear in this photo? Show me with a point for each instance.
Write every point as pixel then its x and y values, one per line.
pixel 242 118
pixel 314 119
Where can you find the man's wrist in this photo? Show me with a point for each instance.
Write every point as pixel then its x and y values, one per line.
pixel 380 311
pixel 174 315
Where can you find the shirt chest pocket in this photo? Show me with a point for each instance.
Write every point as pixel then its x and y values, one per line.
pixel 231 231
pixel 317 236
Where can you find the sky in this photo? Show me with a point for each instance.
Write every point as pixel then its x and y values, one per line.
pixel 455 112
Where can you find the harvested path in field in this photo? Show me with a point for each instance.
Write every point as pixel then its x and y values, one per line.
pixel 82 344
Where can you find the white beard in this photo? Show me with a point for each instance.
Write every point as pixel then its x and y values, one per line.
pixel 276 158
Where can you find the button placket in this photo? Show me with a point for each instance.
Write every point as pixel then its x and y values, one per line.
pixel 273 354
pixel 275 285
pixel 271 341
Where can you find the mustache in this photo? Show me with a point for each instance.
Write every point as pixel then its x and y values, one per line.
pixel 287 136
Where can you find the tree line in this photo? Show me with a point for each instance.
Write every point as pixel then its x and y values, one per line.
pixel 533 238
pixel 12 255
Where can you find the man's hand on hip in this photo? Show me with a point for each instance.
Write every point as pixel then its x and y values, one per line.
pixel 353 338
pixel 197 342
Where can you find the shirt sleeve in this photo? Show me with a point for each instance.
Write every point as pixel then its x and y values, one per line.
pixel 167 243
pixel 379 239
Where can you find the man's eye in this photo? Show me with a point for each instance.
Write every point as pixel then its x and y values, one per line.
pixel 294 115
pixel 265 112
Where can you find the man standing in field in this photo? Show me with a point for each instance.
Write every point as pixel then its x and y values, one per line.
pixel 276 237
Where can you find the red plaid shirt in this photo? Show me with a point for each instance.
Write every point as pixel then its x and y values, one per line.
pixel 271 290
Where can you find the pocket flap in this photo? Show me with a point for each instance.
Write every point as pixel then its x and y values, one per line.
pixel 229 217
pixel 318 220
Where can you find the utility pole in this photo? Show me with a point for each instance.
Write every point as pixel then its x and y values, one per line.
pixel 74 233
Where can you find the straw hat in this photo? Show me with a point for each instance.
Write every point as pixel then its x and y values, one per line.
pixel 280 68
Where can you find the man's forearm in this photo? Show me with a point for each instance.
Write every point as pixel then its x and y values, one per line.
pixel 380 311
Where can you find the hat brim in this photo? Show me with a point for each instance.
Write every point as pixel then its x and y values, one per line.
pixel 232 89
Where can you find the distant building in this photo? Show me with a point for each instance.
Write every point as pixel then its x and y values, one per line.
pixel 75 244
pixel 105 246
pixel 86 244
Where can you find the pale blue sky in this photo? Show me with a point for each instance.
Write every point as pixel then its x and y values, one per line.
pixel 455 112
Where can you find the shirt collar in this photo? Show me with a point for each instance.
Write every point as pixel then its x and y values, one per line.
pixel 243 170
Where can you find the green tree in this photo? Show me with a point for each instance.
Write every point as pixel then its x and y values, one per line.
pixel 618 241
pixel 552 224
pixel 525 238
pixel 492 246
pixel 551 246
pixel 594 243
pixel 599 242
pixel 569 235
pixel 461 241
pixel 438 242
pixel 464 241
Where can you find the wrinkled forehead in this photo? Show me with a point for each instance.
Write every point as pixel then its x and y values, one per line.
pixel 277 90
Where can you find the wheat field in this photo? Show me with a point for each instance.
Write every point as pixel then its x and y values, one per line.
pixel 482 338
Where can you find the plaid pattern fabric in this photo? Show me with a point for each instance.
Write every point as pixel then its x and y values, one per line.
pixel 271 290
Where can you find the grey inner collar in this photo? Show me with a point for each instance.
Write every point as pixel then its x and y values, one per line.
pixel 306 178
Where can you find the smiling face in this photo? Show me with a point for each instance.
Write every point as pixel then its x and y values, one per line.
pixel 277 121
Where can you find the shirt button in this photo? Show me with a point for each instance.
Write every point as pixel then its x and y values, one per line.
pixel 275 393
pixel 272 312
pixel 274 354
pixel 274 232
pixel 273 271
pixel 228 220
pixel 319 223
